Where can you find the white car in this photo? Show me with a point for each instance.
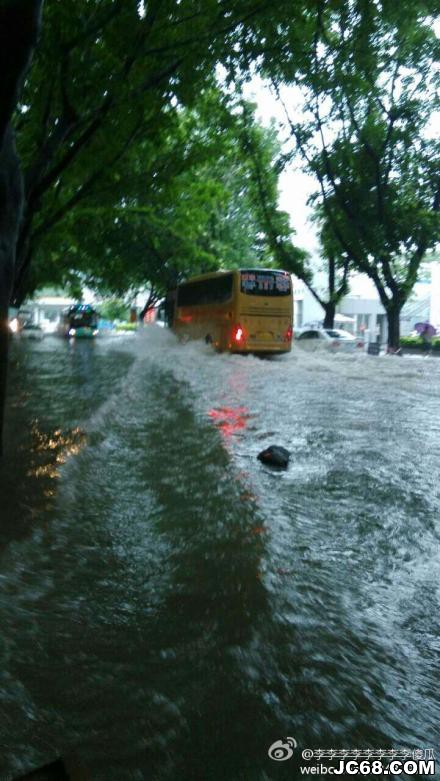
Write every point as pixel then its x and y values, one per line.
pixel 333 339
pixel 31 331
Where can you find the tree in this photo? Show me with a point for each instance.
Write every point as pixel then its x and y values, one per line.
pixel 107 74
pixel 182 205
pixel 19 25
pixel 114 309
pixel 367 95
pixel 266 161
pixel 337 267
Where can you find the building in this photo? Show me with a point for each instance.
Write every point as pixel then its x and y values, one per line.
pixel 362 310
pixel 46 311
pixel 434 303
pixel 46 308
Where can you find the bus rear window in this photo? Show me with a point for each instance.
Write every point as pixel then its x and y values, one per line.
pixel 216 290
pixel 265 283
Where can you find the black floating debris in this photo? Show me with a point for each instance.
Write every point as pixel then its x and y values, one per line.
pixel 58 771
pixel 55 771
pixel 275 455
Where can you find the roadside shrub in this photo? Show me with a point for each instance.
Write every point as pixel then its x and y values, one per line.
pixel 410 341
pixel 126 327
pixel 416 341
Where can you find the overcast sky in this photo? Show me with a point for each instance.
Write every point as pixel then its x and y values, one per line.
pixel 295 186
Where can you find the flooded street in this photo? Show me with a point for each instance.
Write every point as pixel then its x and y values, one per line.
pixel 169 606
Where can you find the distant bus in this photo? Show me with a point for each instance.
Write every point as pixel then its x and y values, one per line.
pixel 242 311
pixel 79 321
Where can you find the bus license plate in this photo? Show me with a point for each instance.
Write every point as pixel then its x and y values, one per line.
pixel 264 336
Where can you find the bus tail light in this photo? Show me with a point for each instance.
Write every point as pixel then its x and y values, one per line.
pixel 288 335
pixel 238 334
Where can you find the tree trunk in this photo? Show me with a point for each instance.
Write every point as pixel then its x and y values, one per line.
pixel 152 299
pixel 393 318
pixel 144 310
pixel 23 258
pixel 11 199
pixel 4 345
pixel 19 25
pixel 330 311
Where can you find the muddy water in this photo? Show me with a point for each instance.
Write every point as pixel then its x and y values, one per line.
pixel 169 606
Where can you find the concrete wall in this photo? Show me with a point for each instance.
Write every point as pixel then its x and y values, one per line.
pixel 434 303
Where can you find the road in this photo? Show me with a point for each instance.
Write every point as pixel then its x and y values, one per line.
pixel 169 606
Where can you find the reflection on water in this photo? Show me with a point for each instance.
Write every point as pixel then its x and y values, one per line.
pixel 229 420
pixel 53 450
pixel 170 607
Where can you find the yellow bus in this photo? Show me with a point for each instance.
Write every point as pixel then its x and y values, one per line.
pixel 243 311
